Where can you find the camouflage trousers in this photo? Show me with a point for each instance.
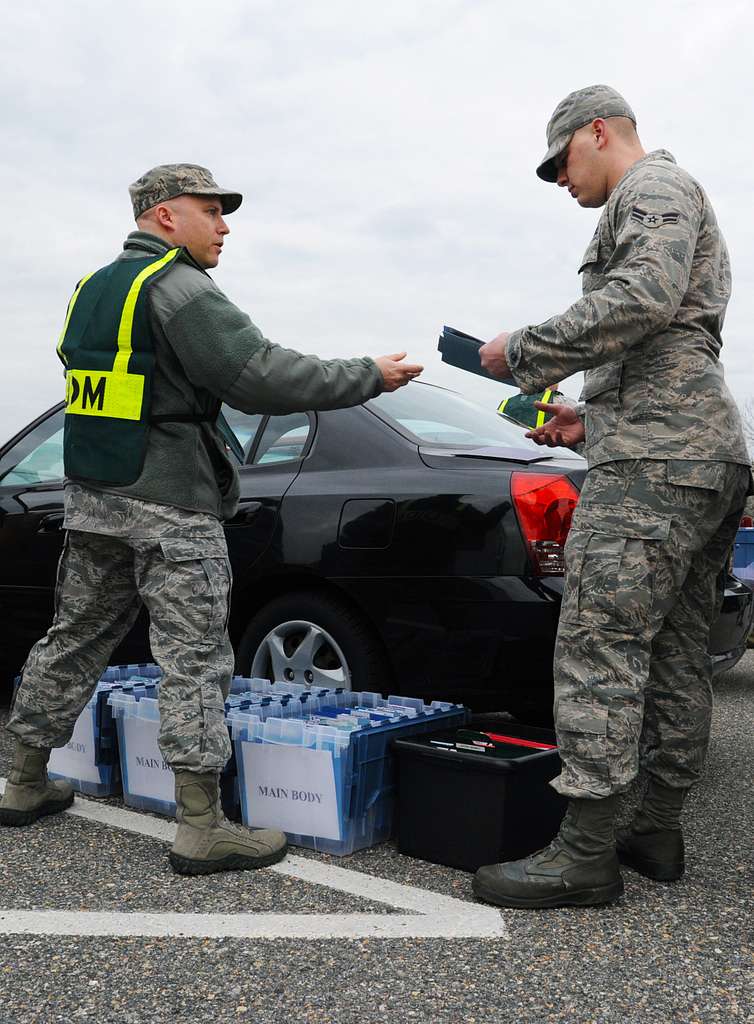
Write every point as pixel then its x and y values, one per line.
pixel 644 561
pixel 120 553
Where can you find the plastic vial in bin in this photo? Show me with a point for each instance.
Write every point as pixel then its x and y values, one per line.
pixel 245 684
pixel 122 673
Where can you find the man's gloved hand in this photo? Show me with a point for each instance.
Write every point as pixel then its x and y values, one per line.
pixel 396 373
pixel 566 428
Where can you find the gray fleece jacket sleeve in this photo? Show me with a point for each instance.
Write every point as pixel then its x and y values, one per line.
pixel 222 351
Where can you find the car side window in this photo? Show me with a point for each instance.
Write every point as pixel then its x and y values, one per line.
pixel 284 439
pixel 37 458
pixel 244 426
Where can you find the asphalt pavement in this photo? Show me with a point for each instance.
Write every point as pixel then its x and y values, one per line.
pixel 682 952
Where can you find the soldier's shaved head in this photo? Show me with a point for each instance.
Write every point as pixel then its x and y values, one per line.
pixel 622 126
pixel 151 217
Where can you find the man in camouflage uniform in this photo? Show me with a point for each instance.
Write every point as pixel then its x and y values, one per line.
pixel 668 477
pixel 158 540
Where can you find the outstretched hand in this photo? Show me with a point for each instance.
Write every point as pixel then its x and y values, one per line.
pixel 566 427
pixel 396 373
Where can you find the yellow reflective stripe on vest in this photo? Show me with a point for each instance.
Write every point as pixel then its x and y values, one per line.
pixel 115 393
pixel 104 393
pixel 71 304
pixel 541 414
pixel 120 366
pixel 502 405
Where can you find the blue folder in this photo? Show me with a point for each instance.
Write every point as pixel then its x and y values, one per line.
pixel 462 350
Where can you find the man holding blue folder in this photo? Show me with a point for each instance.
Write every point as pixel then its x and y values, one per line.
pixel 668 477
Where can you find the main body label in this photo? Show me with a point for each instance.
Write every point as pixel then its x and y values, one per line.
pixel 291 788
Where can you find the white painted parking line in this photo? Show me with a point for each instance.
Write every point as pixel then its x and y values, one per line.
pixel 120 817
pixel 432 915
pixel 372 887
pixel 251 926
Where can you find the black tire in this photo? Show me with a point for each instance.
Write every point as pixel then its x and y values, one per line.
pixel 366 663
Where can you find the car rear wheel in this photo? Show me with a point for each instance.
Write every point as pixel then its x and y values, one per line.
pixel 313 639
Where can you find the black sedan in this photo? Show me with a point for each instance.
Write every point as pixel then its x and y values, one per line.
pixel 410 545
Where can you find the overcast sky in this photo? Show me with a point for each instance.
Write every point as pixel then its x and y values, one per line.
pixel 386 153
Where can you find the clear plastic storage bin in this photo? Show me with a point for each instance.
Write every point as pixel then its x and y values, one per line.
pixel 148 782
pixel 328 780
pixel 89 761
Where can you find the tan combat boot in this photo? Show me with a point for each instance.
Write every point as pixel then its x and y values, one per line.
pixel 29 794
pixel 206 841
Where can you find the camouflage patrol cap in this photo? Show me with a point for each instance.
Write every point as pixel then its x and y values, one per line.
pixel 576 110
pixel 170 180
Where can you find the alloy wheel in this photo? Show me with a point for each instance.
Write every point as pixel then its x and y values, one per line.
pixel 301 652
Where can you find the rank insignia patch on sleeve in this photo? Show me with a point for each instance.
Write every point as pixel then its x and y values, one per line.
pixel 653 220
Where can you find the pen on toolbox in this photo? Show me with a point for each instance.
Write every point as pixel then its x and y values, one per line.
pixel 475 748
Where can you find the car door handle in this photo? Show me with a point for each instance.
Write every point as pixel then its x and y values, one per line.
pixel 51 523
pixel 245 514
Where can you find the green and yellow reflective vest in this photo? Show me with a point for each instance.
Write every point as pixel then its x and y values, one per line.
pixel 521 408
pixel 108 351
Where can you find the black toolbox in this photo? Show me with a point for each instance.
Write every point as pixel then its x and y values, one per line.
pixel 465 809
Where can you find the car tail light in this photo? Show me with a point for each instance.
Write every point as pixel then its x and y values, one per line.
pixel 544 505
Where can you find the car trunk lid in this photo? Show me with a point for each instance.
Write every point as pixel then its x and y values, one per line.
pixel 558 461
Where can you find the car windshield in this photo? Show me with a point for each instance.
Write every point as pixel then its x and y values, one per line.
pixel 436 416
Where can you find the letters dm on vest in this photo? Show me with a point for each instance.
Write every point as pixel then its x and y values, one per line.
pixel 107 348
